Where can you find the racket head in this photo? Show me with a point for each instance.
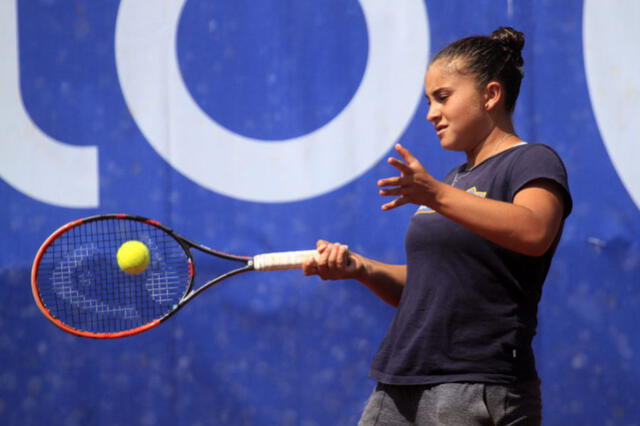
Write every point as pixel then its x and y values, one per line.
pixel 78 285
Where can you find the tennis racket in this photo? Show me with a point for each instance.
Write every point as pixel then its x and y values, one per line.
pixel 79 286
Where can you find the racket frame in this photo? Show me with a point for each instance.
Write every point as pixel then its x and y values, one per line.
pixel 189 293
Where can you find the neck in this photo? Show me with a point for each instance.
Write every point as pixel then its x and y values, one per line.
pixel 498 140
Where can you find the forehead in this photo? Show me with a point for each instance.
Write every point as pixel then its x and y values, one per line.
pixel 446 73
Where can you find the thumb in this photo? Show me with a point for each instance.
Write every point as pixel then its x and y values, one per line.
pixel 321 245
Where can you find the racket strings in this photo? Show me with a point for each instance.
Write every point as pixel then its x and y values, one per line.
pixel 82 286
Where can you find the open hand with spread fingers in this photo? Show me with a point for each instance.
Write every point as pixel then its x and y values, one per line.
pixel 414 185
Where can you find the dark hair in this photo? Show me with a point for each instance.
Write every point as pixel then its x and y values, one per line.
pixel 497 57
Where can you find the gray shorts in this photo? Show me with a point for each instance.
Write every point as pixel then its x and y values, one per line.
pixel 454 404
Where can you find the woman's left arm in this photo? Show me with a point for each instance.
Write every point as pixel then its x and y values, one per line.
pixel 528 225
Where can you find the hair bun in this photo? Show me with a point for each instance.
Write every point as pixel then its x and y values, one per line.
pixel 512 40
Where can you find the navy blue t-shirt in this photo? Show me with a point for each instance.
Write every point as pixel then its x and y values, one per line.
pixel 469 307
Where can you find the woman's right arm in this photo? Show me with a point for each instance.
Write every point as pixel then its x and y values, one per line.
pixel 336 262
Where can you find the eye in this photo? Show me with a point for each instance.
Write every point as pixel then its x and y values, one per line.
pixel 439 96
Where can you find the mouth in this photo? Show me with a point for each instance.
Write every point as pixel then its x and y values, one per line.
pixel 440 129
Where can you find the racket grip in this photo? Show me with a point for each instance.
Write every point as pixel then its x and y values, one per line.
pixel 280 261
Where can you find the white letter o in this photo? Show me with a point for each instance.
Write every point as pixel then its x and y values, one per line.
pixel 274 171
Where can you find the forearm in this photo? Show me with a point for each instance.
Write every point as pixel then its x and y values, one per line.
pixel 335 262
pixel 512 226
pixel 385 280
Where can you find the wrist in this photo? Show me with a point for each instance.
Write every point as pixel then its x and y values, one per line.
pixel 361 268
pixel 438 194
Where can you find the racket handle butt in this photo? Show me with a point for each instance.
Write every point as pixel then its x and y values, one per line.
pixel 281 261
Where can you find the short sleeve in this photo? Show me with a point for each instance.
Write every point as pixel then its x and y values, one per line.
pixel 537 161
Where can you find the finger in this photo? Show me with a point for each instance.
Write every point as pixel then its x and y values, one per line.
pixel 321 245
pixel 325 251
pixel 309 266
pixel 333 256
pixel 343 257
pixel 324 260
pixel 392 181
pixel 310 270
pixel 395 203
pixel 405 153
pixel 309 262
pixel 397 191
pixel 404 168
pixel 336 259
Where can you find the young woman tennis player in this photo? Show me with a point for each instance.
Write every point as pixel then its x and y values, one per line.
pixel 478 248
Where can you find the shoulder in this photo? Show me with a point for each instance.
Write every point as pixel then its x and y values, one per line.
pixel 535 161
pixel 530 157
pixel 540 151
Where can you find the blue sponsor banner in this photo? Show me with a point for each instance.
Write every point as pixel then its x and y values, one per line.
pixel 256 126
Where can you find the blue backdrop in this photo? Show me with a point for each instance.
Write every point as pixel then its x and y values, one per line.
pixel 256 126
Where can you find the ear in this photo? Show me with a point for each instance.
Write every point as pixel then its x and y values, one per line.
pixel 492 95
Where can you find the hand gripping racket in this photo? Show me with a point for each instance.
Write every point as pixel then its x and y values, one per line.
pixel 79 286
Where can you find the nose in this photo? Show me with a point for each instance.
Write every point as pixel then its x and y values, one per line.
pixel 433 113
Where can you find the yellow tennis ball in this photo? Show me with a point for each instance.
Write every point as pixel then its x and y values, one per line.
pixel 133 257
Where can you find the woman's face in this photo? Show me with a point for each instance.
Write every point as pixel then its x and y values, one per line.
pixel 456 106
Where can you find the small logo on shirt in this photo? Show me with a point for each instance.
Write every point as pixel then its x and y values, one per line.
pixel 473 190
pixel 424 209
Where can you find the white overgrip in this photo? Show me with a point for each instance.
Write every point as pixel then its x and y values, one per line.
pixel 280 261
